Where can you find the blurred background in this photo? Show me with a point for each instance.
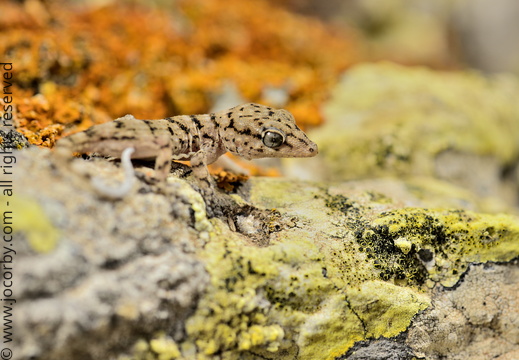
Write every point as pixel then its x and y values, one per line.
pixel 80 63
pixel 83 62
pixel 446 33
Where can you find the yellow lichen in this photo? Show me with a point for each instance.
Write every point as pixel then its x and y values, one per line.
pixel 160 347
pixel 404 244
pixel 165 348
pixel 331 331
pixel 255 293
pixel 27 217
pixel 385 309
pixel 274 298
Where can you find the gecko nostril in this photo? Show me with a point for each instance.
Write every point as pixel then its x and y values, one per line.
pixel 313 150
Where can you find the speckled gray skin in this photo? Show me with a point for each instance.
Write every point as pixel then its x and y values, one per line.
pixel 251 131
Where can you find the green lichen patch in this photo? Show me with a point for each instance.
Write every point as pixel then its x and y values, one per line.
pixel 330 332
pixel 160 347
pixel 311 293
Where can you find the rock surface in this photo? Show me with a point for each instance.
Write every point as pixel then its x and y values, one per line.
pixel 478 319
pixel 276 269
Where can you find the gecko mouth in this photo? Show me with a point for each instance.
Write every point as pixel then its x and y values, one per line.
pixel 239 151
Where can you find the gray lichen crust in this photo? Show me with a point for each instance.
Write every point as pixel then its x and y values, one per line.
pixel 12 139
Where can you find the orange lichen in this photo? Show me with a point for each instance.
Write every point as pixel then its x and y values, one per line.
pixel 228 181
pixel 79 66
pixel 248 166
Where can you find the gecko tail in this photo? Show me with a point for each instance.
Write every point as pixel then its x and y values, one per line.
pixel 118 192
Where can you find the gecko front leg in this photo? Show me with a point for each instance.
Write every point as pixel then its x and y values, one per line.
pixel 199 167
pixel 163 159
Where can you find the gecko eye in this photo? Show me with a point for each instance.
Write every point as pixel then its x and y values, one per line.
pixel 273 138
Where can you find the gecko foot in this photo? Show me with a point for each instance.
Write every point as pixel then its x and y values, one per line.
pixel 129 179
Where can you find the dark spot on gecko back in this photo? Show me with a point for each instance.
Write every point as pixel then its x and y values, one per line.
pixel 231 125
pixel 196 121
pixel 213 119
pixel 207 136
pixel 150 126
pixel 179 124
pixel 126 138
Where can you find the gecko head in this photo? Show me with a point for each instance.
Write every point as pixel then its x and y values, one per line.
pixel 258 131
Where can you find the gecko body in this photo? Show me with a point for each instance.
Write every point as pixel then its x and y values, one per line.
pixel 251 131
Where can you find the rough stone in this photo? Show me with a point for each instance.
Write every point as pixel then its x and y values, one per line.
pixel 280 270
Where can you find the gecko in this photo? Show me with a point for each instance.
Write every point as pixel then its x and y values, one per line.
pixel 250 131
